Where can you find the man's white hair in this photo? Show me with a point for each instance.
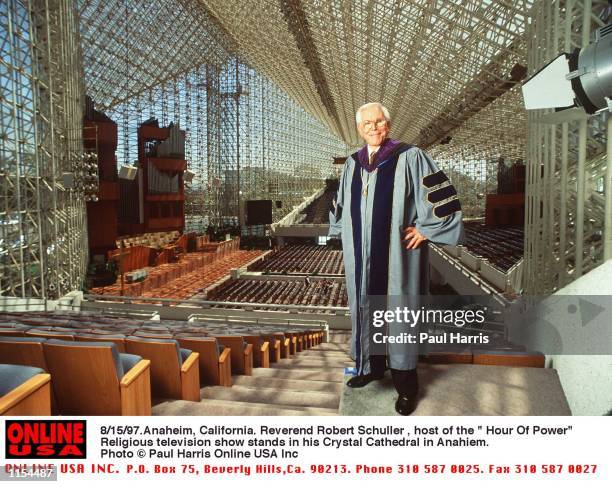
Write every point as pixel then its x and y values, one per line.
pixel 372 105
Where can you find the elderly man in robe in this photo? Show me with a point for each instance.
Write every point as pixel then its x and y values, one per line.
pixel 392 201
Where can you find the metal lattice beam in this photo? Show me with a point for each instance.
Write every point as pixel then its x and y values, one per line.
pixel 42 224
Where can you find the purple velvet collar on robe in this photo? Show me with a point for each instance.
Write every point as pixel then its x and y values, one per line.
pixel 380 156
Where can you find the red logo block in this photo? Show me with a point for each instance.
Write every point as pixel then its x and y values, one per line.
pixel 45 439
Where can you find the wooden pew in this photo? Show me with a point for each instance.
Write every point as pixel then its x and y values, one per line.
pixel 215 368
pixel 172 376
pixel 261 354
pixel 89 378
pixel 242 353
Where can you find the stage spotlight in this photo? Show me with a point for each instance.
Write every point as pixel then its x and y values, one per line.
pixel 582 80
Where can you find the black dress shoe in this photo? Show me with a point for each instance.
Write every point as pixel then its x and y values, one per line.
pixel 363 380
pixel 405 405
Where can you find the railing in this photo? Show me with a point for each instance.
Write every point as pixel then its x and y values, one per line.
pixel 211 304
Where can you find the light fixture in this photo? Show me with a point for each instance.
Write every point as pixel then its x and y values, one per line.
pixel 127 172
pixel 580 81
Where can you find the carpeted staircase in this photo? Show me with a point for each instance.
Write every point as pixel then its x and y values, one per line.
pixel 309 383
pixel 312 383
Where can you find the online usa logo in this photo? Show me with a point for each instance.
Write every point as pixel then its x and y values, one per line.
pixel 45 439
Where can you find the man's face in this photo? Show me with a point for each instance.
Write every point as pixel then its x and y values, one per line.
pixel 373 128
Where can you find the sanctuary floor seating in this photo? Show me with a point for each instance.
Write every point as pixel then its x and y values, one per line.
pixel 301 259
pixel 275 291
pixel 185 278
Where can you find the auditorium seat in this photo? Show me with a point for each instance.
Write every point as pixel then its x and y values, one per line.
pixel 50 334
pixel 24 391
pixel 152 334
pixel 275 340
pixel 241 351
pixel 95 379
pixel 285 346
pixel 261 353
pixel 174 371
pixel 13 330
pixel 23 351
pixel 117 339
pixel 26 351
pixel 215 365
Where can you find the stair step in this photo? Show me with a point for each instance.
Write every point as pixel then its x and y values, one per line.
pixel 324 360
pixel 272 396
pixel 322 353
pixel 332 347
pixel 317 365
pixel 298 374
pixel 219 407
pixel 288 384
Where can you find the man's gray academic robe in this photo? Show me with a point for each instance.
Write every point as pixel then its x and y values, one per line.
pixel 405 190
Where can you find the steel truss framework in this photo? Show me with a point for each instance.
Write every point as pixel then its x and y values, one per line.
pixel 164 59
pixel 42 224
pixel 569 182
pixel 443 68
pixel 267 91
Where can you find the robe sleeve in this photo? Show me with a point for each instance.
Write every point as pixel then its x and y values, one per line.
pixel 335 216
pixel 439 216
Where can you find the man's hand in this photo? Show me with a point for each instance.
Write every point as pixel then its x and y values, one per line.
pixel 413 238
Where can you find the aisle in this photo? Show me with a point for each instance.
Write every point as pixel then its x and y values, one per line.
pixel 309 383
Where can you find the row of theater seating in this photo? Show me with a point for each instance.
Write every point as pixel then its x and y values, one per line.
pixel 317 212
pixel 191 284
pixel 310 259
pixel 319 292
pixel 184 279
pixel 169 360
pixel 502 246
